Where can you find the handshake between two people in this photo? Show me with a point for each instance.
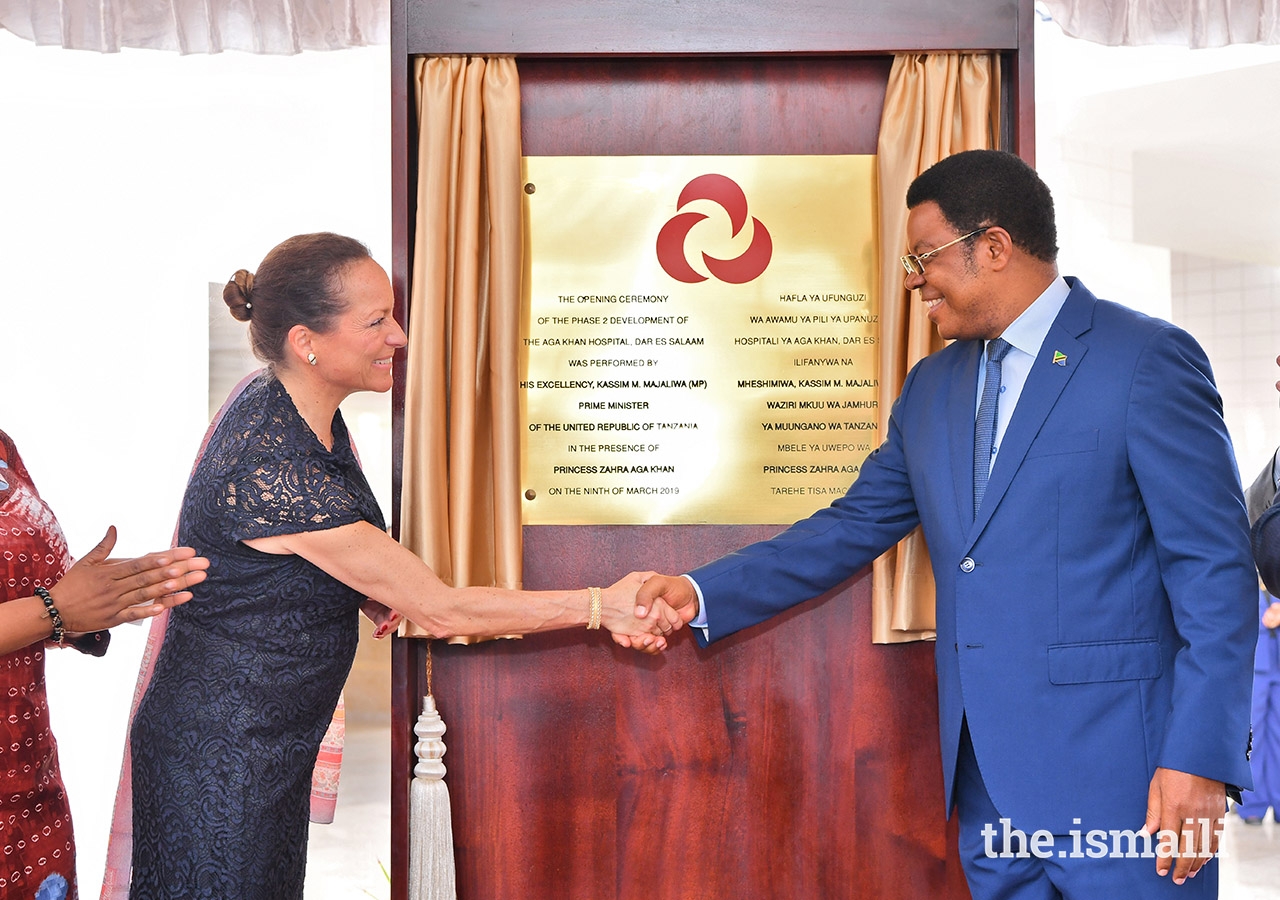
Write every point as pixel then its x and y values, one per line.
pixel 641 610
pixel 644 608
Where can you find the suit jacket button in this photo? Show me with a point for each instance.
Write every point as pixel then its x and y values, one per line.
pixel 967 565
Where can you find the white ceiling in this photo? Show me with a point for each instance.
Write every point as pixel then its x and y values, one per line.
pixel 1205 174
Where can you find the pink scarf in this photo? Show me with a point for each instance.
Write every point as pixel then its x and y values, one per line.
pixel 324 778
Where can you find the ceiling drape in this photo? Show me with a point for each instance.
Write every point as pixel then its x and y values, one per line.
pixel 291 26
pixel 199 26
pixel 1187 23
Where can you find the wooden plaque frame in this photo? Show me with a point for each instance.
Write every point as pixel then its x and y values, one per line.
pixel 796 759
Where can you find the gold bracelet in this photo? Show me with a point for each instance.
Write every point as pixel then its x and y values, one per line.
pixel 597 607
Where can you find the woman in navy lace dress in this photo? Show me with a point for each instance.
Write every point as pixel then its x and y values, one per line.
pixel 225 737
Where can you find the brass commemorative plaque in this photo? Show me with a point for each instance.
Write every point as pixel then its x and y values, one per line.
pixel 700 337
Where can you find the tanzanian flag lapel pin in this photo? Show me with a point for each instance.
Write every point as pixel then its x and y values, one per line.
pixel 1059 358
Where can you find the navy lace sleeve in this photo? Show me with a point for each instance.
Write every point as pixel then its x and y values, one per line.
pixel 285 494
pixel 266 474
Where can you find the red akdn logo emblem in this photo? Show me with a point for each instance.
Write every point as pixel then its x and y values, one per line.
pixel 671 239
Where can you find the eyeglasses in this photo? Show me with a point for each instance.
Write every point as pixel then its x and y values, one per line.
pixel 915 264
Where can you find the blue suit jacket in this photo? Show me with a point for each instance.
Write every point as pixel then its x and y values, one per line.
pixel 1266 659
pixel 1098 618
pixel 1266 532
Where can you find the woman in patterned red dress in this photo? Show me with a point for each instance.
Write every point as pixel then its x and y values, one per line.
pixel 45 601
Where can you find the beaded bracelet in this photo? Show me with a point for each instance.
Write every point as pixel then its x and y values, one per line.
pixel 51 612
pixel 597 607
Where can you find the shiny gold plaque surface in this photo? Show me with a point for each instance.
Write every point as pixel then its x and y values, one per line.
pixel 700 337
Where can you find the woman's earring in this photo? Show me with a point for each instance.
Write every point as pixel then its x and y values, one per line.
pixel 311 358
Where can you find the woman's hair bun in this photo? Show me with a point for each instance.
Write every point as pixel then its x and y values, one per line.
pixel 238 295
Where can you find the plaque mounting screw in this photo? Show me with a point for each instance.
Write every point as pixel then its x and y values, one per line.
pixel 530 188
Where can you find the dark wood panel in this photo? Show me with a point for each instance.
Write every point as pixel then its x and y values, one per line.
pixel 405 686
pixel 403 205
pixel 1022 86
pixel 792 760
pixel 678 27
pixel 686 106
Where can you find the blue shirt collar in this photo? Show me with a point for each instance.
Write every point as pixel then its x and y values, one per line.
pixel 1028 331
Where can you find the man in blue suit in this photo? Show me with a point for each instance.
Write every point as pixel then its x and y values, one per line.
pixel 1265 761
pixel 1068 461
pixel 1263 498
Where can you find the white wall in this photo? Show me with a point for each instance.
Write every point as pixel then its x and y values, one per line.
pixel 1161 162
pixel 1233 310
pixel 130 182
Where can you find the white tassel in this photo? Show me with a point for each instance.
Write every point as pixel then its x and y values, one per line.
pixel 431 868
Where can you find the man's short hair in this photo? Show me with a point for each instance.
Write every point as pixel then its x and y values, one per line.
pixel 991 187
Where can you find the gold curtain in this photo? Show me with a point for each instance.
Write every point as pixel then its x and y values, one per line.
pixel 936 104
pixel 460 508
pixel 460 500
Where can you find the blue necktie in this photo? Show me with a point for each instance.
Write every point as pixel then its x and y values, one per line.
pixel 984 432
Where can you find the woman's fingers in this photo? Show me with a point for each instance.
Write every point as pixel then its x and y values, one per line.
pixel 153 576
pixel 99 553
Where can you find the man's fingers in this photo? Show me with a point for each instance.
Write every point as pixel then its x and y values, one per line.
pixel 671 591
pixel 663 618
pixel 1190 852
pixel 1152 825
pixel 1184 817
pixel 1186 851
